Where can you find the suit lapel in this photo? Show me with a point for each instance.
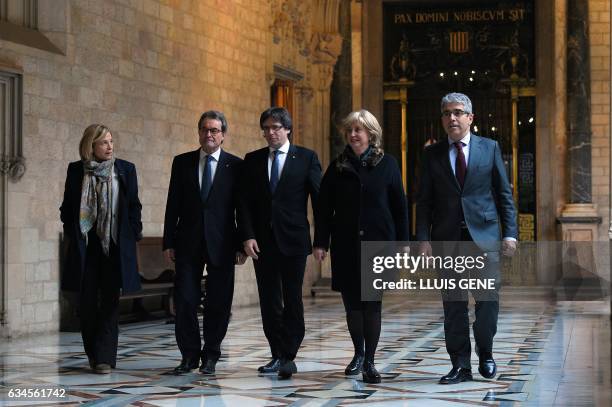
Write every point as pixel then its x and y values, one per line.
pixel 120 174
pixel 220 171
pixel 444 160
pixel 262 167
pixel 122 188
pixel 193 172
pixel 475 157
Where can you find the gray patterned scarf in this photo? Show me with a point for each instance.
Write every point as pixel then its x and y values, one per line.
pixel 96 200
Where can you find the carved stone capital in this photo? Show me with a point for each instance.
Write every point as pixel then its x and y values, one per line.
pixel 14 167
pixel 326 47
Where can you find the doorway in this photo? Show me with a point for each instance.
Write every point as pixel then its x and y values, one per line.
pixel 481 49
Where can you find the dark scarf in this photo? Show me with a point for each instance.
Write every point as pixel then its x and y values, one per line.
pixel 347 159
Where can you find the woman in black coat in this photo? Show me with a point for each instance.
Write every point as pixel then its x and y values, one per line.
pixel 361 199
pixel 101 217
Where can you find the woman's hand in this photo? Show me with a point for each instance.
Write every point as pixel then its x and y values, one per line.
pixel 319 254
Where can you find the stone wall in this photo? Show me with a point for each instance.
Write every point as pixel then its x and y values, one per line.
pixel 147 69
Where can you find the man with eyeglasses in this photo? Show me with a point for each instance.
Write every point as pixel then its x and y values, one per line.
pixel 464 196
pixel 200 230
pixel 277 181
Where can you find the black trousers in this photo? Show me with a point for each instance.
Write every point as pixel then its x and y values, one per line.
pixel 279 283
pixel 352 302
pixel 99 303
pixel 217 309
pixel 456 312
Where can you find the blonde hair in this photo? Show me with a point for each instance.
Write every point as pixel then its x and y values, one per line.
pixel 92 133
pixel 369 123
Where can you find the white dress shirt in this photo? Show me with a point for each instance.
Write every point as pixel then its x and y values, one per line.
pixel 282 156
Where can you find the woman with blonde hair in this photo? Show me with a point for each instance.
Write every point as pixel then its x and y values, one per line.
pixel 101 217
pixel 361 199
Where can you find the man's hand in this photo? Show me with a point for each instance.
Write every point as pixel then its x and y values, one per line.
pixel 240 258
pixel 319 253
pixel 169 255
pixel 508 248
pixel 251 248
pixel 425 249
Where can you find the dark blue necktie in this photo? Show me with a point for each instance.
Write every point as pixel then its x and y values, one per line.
pixel 274 171
pixel 206 183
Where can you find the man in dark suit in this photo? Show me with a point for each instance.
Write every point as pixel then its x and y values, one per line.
pixel 200 229
pixel 464 196
pixel 274 227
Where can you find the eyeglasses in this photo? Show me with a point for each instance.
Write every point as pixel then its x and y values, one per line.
pixel 273 128
pixel 213 131
pixel 456 113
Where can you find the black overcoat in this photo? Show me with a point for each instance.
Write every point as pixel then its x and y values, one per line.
pixel 367 204
pixel 130 227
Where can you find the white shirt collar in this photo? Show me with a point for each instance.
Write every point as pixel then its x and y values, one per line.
pixel 284 148
pixel 215 155
pixel 465 140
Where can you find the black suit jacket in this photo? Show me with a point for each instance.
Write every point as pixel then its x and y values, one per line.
pixel 130 226
pixel 279 219
pixel 485 202
pixel 189 222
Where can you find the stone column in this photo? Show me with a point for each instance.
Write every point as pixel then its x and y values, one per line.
pixel 326 49
pixel 579 220
pixel 578 103
pixel 341 93
pixel 12 168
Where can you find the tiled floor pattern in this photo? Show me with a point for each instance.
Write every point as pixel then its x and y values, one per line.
pixel 547 354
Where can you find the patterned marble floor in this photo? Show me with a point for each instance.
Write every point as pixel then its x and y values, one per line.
pixel 547 354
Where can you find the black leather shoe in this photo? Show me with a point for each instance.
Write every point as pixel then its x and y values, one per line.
pixel 486 365
pixel 457 375
pixel 186 366
pixel 286 369
pixel 370 374
pixel 208 367
pixel 355 366
pixel 270 367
